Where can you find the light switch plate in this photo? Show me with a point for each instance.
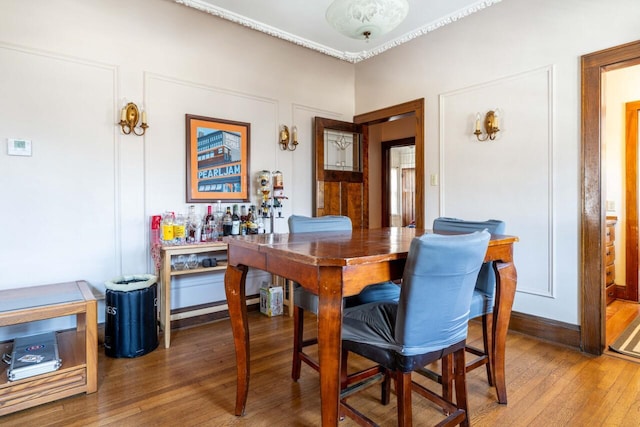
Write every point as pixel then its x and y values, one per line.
pixel 611 205
pixel 18 147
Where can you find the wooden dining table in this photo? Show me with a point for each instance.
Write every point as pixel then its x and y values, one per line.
pixel 334 265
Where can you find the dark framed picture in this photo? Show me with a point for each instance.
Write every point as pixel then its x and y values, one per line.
pixel 217 160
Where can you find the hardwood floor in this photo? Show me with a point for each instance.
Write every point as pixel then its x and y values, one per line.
pixel 619 314
pixel 193 384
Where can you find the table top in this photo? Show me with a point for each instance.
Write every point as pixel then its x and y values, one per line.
pixel 361 246
pixel 43 295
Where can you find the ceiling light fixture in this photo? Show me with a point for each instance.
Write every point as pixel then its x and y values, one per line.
pixel 366 19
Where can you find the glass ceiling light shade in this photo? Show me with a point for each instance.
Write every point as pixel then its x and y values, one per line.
pixel 366 19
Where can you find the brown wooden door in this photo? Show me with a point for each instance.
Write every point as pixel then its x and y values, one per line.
pixel 340 170
pixel 630 291
pixel 408 196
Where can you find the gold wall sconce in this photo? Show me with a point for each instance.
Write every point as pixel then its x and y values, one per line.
pixel 288 141
pixel 129 116
pixel 491 126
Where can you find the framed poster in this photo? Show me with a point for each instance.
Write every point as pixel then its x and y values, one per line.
pixel 217 160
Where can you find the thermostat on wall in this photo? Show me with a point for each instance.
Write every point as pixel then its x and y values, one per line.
pixel 18 147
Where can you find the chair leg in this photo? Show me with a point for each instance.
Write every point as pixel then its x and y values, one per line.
pixel 385 398
pixel 344 377
pixel 403 391
pixel 298 329
pixel 487 337
pixel 460 373
pixel 447 377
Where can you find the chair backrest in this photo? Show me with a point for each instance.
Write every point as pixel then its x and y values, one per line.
pixel 306 224
pixel 487 277
pixel 435 298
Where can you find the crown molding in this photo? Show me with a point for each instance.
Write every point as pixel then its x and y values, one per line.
pixel 352 57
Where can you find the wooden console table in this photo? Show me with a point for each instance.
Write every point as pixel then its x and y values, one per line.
pixel 78 348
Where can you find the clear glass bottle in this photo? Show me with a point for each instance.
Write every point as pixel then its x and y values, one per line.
pixel 252 223
pixel 179 230
pixel 194 224
pixel 260 225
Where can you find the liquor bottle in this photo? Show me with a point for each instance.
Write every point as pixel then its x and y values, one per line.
pixel 179 230
pixel 252 224
pixel 260 225
pixel 227 223
pixel 166 228
pixel 235 222
pixel 193 224
pixel 207 226
pixel 244 220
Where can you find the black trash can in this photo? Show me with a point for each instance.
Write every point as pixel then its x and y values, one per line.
pixel 131 321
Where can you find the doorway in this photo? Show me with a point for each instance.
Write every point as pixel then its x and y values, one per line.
pixel 592 328
pixel 413 109
pixel 398 182
pixel 341 188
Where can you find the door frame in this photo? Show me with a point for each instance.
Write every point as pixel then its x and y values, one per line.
pixel 415 108
pixel 593 212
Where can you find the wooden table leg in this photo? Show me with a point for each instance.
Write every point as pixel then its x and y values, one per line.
pixel 165 299
pixel 330 343
pixel 234 287
pixel 506 279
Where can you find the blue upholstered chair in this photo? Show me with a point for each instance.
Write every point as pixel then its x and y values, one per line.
pixel 484 293
pixel 428 323
pixel 307 301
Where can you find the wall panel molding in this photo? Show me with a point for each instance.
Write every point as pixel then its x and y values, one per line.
pixel 68 108
pixel 520 187
pixel 169 99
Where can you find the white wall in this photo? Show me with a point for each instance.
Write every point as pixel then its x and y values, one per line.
pixel 79 207
pixel 620 86
pixel 523 57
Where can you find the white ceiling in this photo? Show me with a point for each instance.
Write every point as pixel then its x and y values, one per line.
pixel 303 22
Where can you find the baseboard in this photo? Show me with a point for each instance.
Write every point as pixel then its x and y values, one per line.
pixel 546 329
pixel 214 311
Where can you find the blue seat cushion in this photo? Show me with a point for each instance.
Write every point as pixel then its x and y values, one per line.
pixel 385 291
